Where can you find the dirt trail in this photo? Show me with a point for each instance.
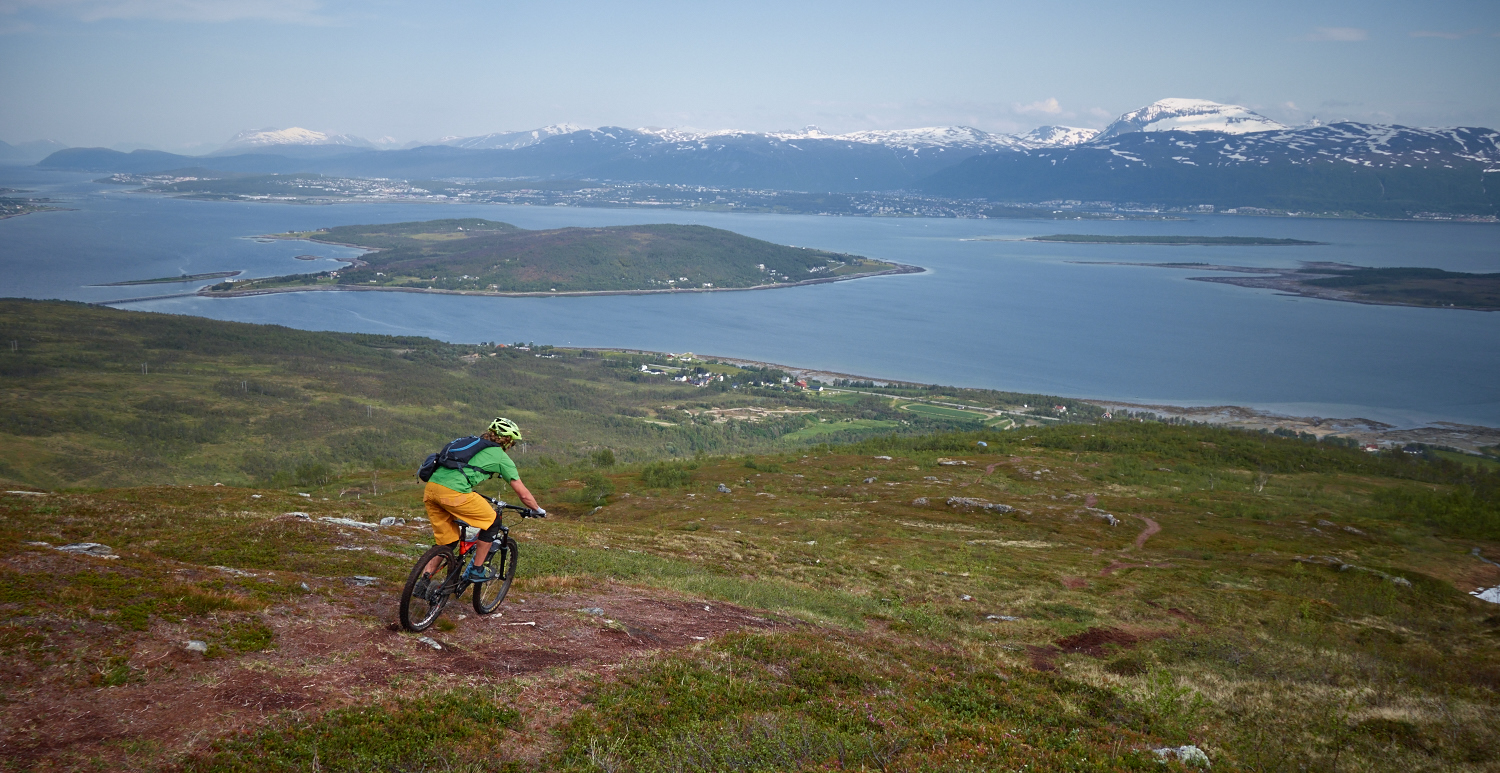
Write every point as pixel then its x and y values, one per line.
pixel 1151 529
pixel 330 654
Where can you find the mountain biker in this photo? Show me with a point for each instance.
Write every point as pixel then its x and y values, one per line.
pixel 451 501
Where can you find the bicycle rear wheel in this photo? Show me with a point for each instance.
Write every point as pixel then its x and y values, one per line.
pixel 418 613
pixel 502 559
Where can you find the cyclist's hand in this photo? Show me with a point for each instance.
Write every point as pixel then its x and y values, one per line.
pixel 537 513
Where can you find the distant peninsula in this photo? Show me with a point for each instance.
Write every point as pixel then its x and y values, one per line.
pixel 1402 286
pixel 171 279
pixel 1172 240
pixel 16 206
pixel 471 256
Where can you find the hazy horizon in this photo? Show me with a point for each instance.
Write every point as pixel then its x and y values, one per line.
pixel 186 75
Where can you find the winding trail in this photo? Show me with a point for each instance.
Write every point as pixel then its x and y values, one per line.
pixel 1152 528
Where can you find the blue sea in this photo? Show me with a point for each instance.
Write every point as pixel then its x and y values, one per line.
pixel 991 311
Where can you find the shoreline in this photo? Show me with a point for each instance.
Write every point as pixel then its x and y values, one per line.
pixel 35 211
pixel 1467 437
pixel 1292 243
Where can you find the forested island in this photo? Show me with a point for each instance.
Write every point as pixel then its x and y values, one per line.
pixel 475 256
pixel 1172 240
pixel 1398 286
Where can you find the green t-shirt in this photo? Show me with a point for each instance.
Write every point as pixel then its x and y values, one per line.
pixel 483 466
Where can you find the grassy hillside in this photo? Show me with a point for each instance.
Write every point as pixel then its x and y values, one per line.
pixel 1279 604
pixel 101 397
pixel 1067 597
pixel 482 255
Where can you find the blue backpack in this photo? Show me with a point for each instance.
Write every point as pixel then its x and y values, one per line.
pixel 454 456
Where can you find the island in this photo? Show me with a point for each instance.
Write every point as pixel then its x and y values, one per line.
pixel 1173 241
pixel 12 205
pixel 1400 286
pixel 472 256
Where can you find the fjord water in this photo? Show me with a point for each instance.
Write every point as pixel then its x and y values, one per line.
pixel 991 311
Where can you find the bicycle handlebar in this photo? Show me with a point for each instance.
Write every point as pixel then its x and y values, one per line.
pixel 525 512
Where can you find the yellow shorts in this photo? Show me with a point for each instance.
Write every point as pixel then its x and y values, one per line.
pixel 446 508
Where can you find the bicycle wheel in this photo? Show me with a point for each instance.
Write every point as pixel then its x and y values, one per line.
pixel 418 613
pixel 488 596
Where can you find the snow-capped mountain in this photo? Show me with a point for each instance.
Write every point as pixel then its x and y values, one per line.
pixel 1198 115
pixel 262 139
pixel 507 140
pixel 1175 151
pixel 962 137
pixel 1346 166
pixel 936 137
pixel 1057 136
pixel 1373 146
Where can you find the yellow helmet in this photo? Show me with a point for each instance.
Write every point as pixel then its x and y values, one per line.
pixel 505 428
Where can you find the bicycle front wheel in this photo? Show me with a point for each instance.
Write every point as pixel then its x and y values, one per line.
pixel 420 611
pixel 502 559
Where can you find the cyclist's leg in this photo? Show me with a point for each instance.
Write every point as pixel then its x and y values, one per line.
pixel 477 512
pixel 468 509
pixel 445 531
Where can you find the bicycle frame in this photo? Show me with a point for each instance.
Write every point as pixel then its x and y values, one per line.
pixel 459 556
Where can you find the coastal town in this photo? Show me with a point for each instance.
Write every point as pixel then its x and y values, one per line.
pixel 321 189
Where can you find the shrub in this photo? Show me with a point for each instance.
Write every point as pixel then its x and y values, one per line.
pixel 667 474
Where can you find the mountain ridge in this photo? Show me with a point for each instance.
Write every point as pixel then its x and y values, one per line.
pixel 1173 152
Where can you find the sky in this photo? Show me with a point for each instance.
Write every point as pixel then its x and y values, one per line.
pixel 186 75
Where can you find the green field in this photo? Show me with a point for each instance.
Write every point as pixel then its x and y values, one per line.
pixel 1483 462
pixel 486 256
pixel 942 411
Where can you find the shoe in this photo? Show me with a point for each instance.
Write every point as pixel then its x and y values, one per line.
pixel 419 591
pixel 478 574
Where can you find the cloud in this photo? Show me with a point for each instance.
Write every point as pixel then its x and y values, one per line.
pixel 1339 34
pixel 1048 106
pixel 1446 35
pixel 205 11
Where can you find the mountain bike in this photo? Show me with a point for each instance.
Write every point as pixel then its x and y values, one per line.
pixel 420 610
